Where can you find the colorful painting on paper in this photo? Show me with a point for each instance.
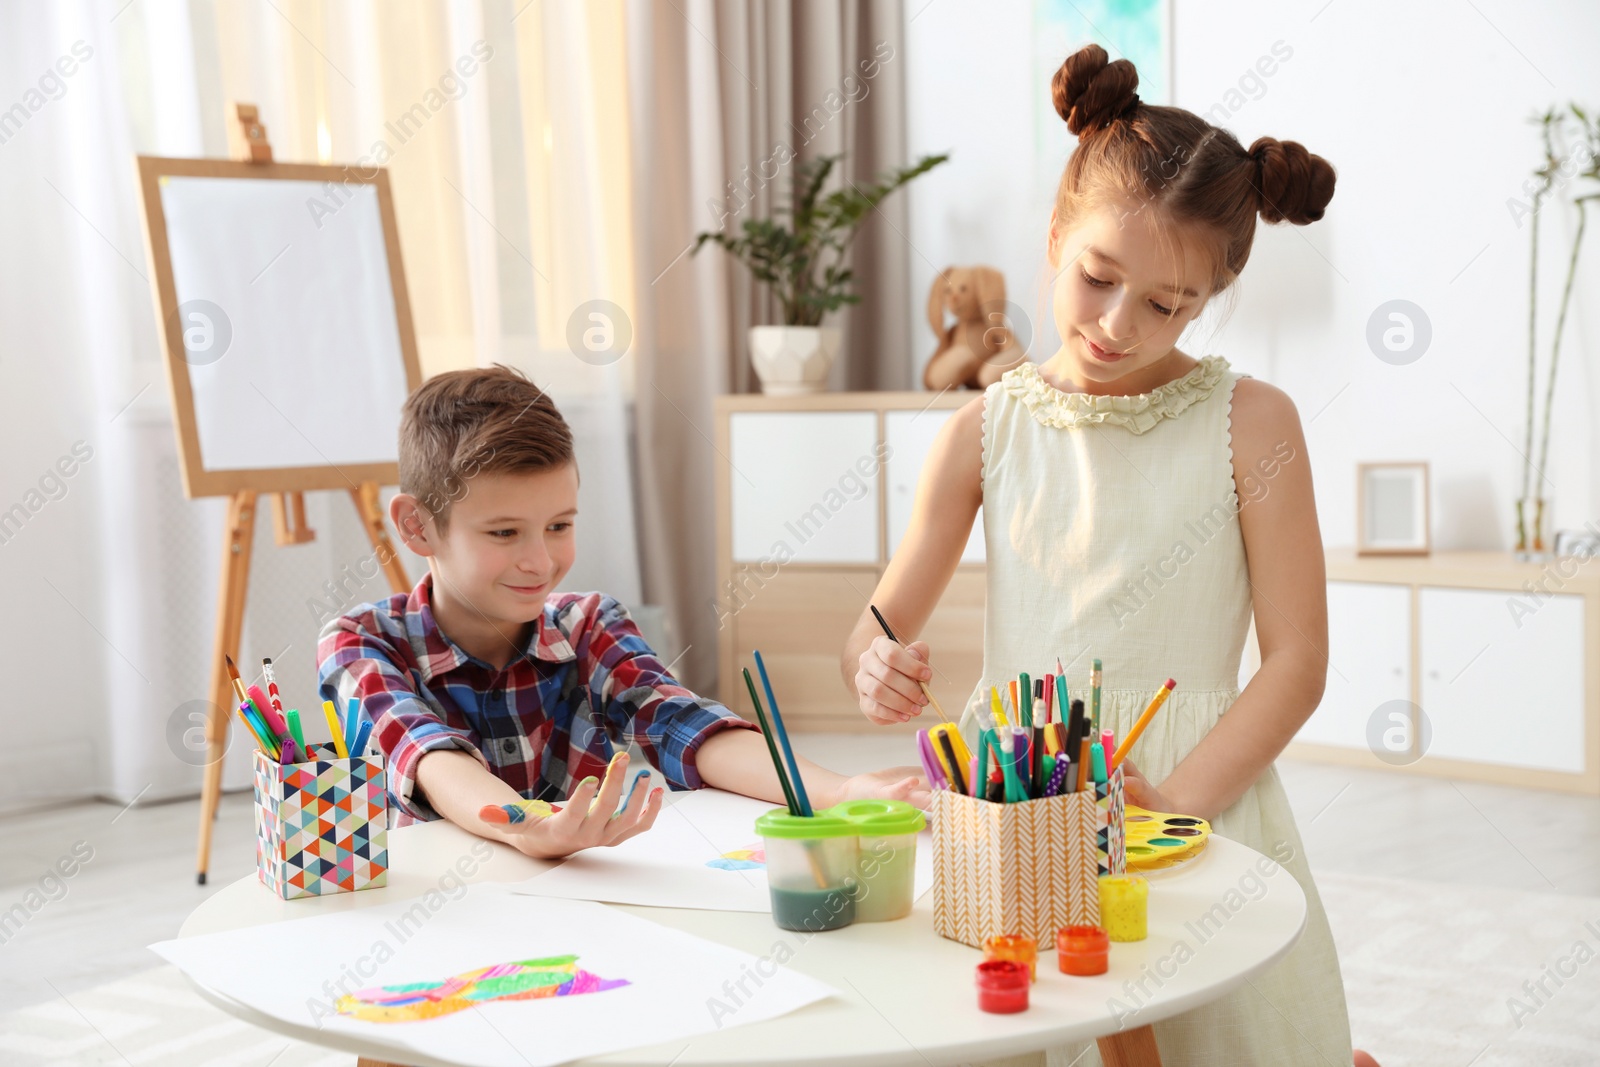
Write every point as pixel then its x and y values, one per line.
pixel 553 976
pixel 749 858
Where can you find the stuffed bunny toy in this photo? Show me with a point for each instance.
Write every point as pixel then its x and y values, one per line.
pixel 979 347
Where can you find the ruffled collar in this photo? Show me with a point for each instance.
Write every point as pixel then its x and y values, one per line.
pixel 1137 412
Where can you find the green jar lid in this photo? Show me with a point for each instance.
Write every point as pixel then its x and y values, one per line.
pixel 885 818
pixel 778 823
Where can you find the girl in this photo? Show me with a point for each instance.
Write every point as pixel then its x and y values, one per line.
pixel 1138 505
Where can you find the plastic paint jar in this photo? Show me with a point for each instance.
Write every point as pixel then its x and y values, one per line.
pixel 1002 987
pixel 1015 949
pixel 1124 906
pixel 1082 950
pixel 887 830
pixel 811 870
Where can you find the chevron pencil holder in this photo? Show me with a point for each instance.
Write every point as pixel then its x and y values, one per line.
pixel 1028 868
pixel 322 826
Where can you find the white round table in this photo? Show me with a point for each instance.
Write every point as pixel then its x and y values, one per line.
pixel 906 995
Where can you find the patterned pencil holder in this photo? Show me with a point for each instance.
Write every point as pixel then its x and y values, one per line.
pixel 1110 833
pixel 322 826
pixel 1028 868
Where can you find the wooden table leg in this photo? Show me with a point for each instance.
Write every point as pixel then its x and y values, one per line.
pixel 362 1061
pixel 1131 1048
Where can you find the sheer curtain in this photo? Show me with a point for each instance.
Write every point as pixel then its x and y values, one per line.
pixel 551 160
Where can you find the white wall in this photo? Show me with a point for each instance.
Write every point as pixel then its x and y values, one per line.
pixel 1422 109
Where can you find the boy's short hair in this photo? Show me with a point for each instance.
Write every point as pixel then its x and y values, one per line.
pixel 460 424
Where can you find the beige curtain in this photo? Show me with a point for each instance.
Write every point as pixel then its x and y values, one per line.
pixel 721 93
pixel 576 165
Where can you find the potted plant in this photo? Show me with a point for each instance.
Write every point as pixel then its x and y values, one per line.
pixel 1534 511
pixel 801 254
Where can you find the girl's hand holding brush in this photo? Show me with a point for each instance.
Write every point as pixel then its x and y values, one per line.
pixel 889 683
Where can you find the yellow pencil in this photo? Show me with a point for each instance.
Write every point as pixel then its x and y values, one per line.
pixel 999 712
pixel 332 716
pixel 1144 720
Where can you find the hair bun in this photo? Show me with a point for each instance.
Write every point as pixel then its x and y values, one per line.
pixel 1091 93
pixel 1295 186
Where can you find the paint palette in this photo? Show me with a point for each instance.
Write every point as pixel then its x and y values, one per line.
pixel 1156 840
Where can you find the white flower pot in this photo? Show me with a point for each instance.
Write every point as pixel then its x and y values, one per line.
pixel 793 360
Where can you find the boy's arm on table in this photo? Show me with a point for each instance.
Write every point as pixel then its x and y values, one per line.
pixel 357 658
pixel 694 741
pixel 436 770
pixel 1288 579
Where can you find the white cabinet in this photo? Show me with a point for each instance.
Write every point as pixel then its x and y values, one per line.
pixel 1369 661
pixel 910 435
pixel 1503 687
pixel 1495 683
pixel 804 486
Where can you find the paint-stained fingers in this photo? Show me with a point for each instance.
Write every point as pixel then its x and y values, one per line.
pixel 610 795
pixel 647 817
pixel 632 808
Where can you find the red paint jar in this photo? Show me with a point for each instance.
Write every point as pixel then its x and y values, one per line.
pixel 1082 950
pixel 1002 986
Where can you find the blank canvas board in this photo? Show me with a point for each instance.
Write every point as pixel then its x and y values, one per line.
pixel 291 343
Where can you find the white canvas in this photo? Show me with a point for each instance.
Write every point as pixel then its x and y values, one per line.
pixel 303 367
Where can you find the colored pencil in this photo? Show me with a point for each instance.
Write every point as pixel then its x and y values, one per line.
pixel 783 740
pixel 261 742
pixel 958 779
pixel 1083 764
pixel 291 719
pixel 927 692
pixel 1144 720
pixel 1094 698
pixel 772 745
pixel 335 731
pixel 360 747
pixel 264 706
pixel 352 722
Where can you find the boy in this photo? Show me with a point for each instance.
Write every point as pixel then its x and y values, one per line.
pixel 485 687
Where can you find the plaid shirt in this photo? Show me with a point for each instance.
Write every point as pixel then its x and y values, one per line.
pixel 586 682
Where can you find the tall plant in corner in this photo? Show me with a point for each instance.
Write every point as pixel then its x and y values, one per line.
pixel 1532 536
pixel 801 253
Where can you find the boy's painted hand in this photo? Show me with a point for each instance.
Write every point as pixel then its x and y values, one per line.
pixel 891 783
pixel 589 819
pixel 889 681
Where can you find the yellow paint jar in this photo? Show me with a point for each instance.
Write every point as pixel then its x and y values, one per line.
pixel 1124 906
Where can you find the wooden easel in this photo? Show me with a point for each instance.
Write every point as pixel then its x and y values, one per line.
pixel 238 536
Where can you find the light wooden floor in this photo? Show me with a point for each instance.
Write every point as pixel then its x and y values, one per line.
pixel 139 885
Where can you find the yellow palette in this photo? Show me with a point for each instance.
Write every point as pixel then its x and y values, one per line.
pixel 1156 840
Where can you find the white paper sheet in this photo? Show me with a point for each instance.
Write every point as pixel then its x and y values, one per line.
pixel 295 971
pixel 668 865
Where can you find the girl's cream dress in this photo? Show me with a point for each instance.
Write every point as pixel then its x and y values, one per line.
pixel 1112 530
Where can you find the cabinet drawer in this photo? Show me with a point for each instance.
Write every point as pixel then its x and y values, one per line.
pixel 910 435
pixel 1504 688
pixel 1369 661
pixel 804 486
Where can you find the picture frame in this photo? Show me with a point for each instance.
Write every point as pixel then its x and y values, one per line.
pixel 1392 509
